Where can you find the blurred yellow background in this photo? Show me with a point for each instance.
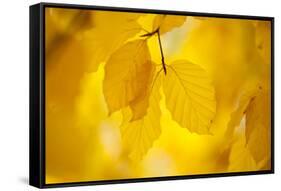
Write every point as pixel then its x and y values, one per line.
pixel 84 142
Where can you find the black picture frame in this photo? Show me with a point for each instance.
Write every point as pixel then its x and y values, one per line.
pixel 37 95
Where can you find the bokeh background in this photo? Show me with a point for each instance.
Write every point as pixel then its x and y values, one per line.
pixel 83 143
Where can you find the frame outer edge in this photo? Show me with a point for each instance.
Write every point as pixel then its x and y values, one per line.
pixel 41 93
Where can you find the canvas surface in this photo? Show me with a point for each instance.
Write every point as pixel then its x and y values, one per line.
pixel 134 95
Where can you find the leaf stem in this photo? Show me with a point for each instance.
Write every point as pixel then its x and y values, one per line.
pixel 162 54
pixel 148 35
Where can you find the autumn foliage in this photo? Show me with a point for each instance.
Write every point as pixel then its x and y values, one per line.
pixel 132 95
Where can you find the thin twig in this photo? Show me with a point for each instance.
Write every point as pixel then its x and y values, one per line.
pixel 148 35
pixel 162 54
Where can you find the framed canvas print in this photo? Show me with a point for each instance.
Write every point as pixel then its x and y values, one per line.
pixel 121 95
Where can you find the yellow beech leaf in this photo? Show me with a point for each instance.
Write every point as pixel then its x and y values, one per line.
pixel 166 23
pixel 240 158
pixel 139 135
pixel 255 106
pixel 140 104
pixel 106 37
pixel 258 126
pixel 240 110
pixel 190 97
pixel 127 74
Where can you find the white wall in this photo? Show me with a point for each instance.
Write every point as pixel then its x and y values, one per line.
pixel 14 39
